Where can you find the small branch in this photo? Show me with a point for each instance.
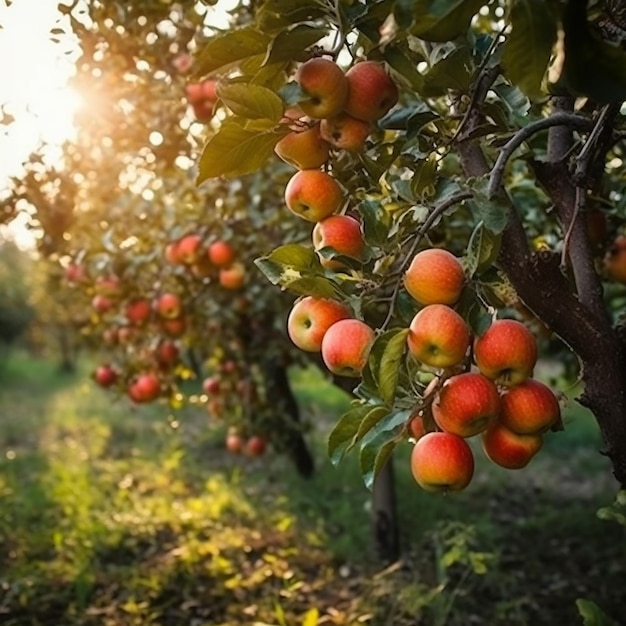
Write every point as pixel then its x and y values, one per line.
pixel 579 205
pixel 570 120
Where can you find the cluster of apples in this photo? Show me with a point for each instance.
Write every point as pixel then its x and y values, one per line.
pixel 202 97
pixel 336 113
pixel 481 387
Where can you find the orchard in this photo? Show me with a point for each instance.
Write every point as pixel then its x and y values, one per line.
pixel 422 200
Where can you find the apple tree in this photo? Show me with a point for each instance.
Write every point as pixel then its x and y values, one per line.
pixel 488 133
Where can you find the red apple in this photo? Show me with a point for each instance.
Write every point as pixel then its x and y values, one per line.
pixel 313 195
pixel 467 404
pixel 144 387
pixel 438 336
pixel 188 249
pixel 233 276
pixel 255 446
pixel 138 312
pixel 167 353
pixel 506 352
pixel 304 149
pixel 346 346
pixel 168 306
pixel 175 327
pixel 435 276
pixel 509 449
pixel 325 86
pixel 211 386
pixel 105 375
pixel 101 304
pixel 416 428
pixel 529 408
pixel 221 253
pixel 371 91
pixel 234 443
pixel 343 234
pixel 442 462
pixel 310 318
pixel 108 286
pixel 345 132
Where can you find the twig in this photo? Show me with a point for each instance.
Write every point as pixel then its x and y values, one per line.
pixel 579 204
pixel 422 230
pixel 556 119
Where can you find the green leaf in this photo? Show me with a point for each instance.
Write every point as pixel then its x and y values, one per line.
pixel 482 250
pixel 443 20
pixel 235 150
pixel 251 101
pixel 452 73
pixel 376 222
pixel 493 212
pixel 229 48
pixel 370 420
pixel 404 66
pixel 373 458
pixel 344 431
pixel 273 15
pixel 390 364
pixel 592 614
pixel 291 44
pixel 528 48
pixel 295 255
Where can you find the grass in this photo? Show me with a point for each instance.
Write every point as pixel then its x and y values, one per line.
pixel 113 515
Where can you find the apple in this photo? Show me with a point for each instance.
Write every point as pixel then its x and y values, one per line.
pixel 194 92
pixel 229 367
pixel 182 63
pixel 529 408
pixel 188 249
pixel 203 110
pixel 144 388
pixel 101 303
pixel 125 334
pixel 304 150
pixel 171 253
pixel 313 195
pixel 168 306
pixel 74 273
pixel 109 286
pixel 416 428
pixel 509 449
pixel 232 277
pixel 506 352
pixel 325 86
pixel 255 446
pixel 221 253
pixel 138 312
pixel 371 91
pixel 615 260
pixel 105 375
pixel 466 404
pixel 435 276
pixel 175 327
pixel 346 346
pixel 438 336
pixel 343 234
pixel 310 318
pixel 211 386
pixel 167 353
pixel 442 462
pixel 234 443
pixel 345 132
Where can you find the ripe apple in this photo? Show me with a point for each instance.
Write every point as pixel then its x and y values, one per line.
pixel 325 86
pixel 221 253
pixel 188 249
pixel 138 312
pixel 182 63
pixel 346 346
pixel 109 286
pixel 211 386
pixel 343 234
pixel 167 353
pixel 442 462
pixel 101 304
pixel 171 253
pixel 438 336
pixel 435 276
pixel 75 273
pixel 168 306
pixel 416 428
pixel 310 318
pixel 305 149
pixel 615 260
pixel 144 388
pixel 467 404
pixel 529 408
pixel 255 446
pixel 234 443
pixel 509 449
pixel 175 327
pixel 506 352
pixel 233 277
pixel 371 91
pixel 105 375
pixel 194 92
pixel 345 132
pixel 313 195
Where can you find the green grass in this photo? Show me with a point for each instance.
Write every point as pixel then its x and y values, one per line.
pixel 116 515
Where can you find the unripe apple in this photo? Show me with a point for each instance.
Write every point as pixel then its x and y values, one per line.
pixel 221 253
pixel 345 132
pixel 506 352
pixel 467 404
pixel 255 446
pixel 105 375
pixel 346 346
pixel 168 306
pixel 343 234
pixel 435 276
pixel 371 91
pixel 138 312
pixel 144 388
pixel 310 318
pixel 233 277
pixel 615 260
pixel 305 149
pixel 442 462
pixel 313 195
pixel 324 84
pixel 509 449
pixel 188 249
pixel 529 408
pixel 438 336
